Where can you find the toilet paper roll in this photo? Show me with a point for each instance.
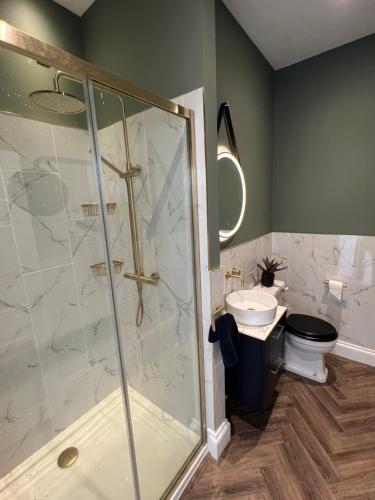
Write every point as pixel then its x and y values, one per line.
pixel 336 288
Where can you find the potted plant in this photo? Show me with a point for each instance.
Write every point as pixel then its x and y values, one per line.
pixel 269 269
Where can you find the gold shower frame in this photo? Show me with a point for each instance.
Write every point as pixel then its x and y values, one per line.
pixel 19 42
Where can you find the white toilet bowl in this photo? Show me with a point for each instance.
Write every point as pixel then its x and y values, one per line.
pixel 308 339
pixel 306 357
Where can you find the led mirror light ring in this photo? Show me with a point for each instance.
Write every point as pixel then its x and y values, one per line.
pixel 223 233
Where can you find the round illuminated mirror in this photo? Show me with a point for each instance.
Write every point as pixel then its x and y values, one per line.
pixel 232 195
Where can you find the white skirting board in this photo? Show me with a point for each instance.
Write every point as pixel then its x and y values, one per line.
pixel 355 352
pixel 218 440
pixel 189 474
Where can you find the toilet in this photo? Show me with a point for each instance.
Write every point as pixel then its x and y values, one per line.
pixel 308 339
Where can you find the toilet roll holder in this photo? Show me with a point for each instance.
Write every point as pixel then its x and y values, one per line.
pixel 327 283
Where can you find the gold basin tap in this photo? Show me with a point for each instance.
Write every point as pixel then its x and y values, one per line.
pixel 235 273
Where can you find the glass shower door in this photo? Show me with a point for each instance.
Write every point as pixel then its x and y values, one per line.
pixel 146 170
pixel 60 376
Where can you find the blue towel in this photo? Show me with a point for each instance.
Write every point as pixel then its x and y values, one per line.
pixel 229 338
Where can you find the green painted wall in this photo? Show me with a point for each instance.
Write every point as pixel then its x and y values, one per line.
pixel 45 20
pixel 51 23
pixel 168 47
pixel 245 80
pixel 324 146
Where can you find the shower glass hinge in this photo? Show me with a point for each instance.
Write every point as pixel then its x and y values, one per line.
pixel 132 172
pixel 150 280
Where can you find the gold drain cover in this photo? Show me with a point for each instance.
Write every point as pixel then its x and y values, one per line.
pixel 67 457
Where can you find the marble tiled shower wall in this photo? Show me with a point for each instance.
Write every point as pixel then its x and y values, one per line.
pixel 312 258
pixel 57 351
pixel 57 355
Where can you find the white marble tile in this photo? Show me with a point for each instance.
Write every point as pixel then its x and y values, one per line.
pixel 112 146
pixel 328 307
pixel 20 438
pixel 170 196
pixel 78 187
pixel 303 263
pixel 327 304
pixel 37 212
pixel 339 250
pixel 4 214
pixel 104 380
pixel 280 252
pixel 95 307
pixel 26 145
pixel 74 398
pixel 362 331
pixel 137 139
pixel 301 301
pixel 19 359
pixel 57 324
pixel 12 292
pixel 364 283
pixel 166 137
pixel 177 301
pixel 366 253
pixel 2 188
pixel 147 246
pixel 263 247
pixel 72 146
pixel 174 251
pixel 138 157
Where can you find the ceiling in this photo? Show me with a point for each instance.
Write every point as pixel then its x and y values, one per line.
pixel 289 31
pixel 79 7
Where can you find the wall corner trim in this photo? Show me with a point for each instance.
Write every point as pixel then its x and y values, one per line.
pixel 218 440
pixel 355 352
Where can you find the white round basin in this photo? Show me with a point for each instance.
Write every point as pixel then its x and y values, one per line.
pixel 252 308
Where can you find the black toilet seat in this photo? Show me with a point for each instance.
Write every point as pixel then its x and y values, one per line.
pixel 310 328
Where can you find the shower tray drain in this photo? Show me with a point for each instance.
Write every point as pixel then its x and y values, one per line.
pixel 67 457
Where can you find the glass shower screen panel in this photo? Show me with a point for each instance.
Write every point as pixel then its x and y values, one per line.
pixel 59 369
pixel 147 175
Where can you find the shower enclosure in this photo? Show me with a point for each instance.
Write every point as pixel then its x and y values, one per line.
pixel 100 370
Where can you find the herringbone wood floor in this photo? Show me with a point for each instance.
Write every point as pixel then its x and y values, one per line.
pixel 318 442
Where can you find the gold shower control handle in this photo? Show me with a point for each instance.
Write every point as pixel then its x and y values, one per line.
pixel 150 280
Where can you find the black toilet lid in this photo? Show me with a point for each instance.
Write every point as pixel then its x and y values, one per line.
pixel 310 328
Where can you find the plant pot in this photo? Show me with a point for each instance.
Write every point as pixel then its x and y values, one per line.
pixel 267 279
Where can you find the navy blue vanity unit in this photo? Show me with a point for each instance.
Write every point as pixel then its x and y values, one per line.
pixel 253 380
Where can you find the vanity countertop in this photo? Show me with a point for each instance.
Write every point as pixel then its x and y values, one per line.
pixel 262 332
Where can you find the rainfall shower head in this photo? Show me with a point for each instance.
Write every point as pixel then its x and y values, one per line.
pixel 58 101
